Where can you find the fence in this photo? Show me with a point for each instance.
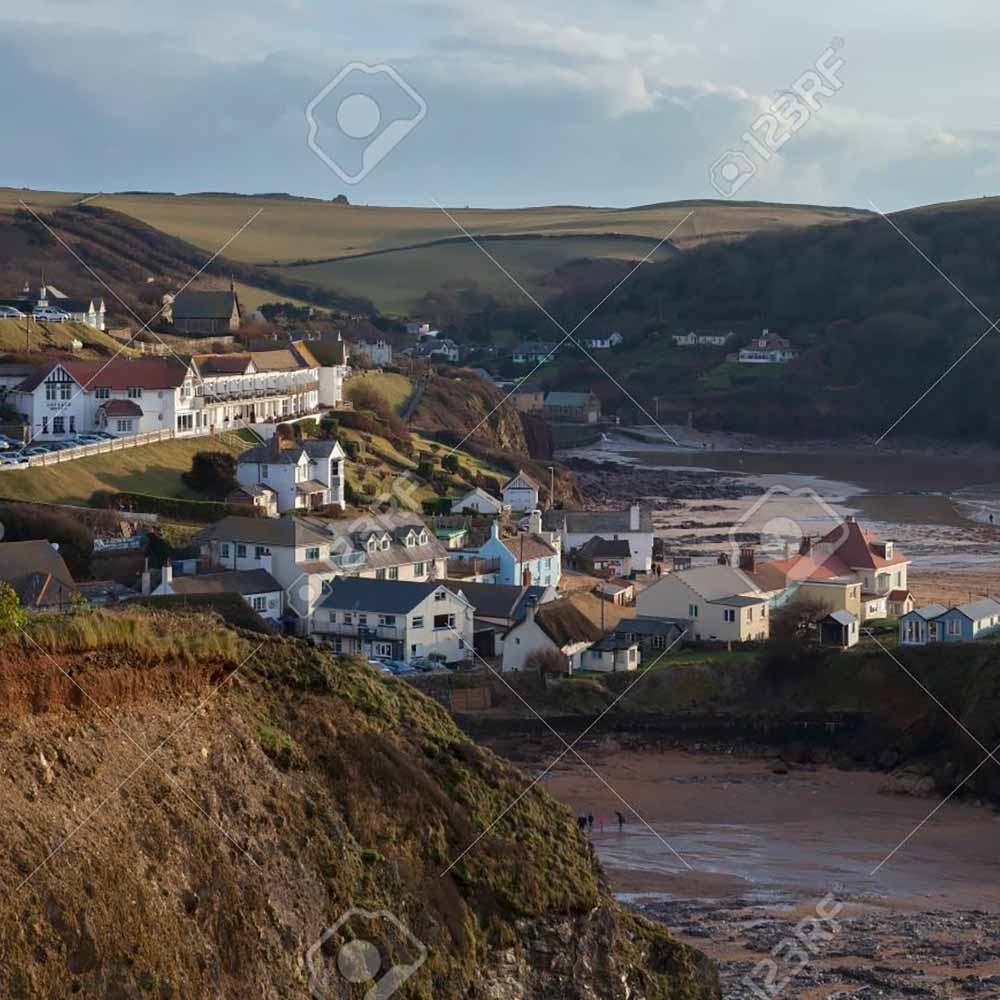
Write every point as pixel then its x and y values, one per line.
pixel 98 448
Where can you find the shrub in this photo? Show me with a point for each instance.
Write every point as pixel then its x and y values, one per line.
pixel 450 463
pixel 11 616
pixel 212 472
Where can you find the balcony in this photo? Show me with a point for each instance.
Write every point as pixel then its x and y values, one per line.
pixel 365 632
pixel 256 392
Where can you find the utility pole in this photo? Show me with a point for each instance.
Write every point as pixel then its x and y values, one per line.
pixel 552 486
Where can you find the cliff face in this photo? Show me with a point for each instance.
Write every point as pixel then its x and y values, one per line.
pixel 194 813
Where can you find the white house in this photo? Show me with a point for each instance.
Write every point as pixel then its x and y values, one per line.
pixel 441 348
pixel 702 338
pixel 295 552
pixel 520 492
pixel 528 558
pixel 720 602
pixel 304 475
pixel 612 654
pixel 767 349
pixel 378 352
pixel 392 620
pixel 635 526
pixel 478 501
pixel 558 626
pixel 393 545
pixel 533 352
pixel 256 586
pixel 604 342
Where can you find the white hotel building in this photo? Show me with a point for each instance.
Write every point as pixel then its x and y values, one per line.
pixel 204 394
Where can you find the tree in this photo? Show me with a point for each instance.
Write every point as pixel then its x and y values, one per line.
pixel 548 662
pixel 12 617
pixel 450 463
pixel 212 472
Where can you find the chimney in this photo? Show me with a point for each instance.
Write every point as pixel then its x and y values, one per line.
pixel 530 607
pixel 633 517
pixel 168 573
pixel 805 546
pixel 495 529
pixel 535 522
pixel 723 559
pixel 146 585
pixel 748 559
pixel 526 577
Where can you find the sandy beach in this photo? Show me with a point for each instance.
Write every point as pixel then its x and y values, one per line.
pixel 730 854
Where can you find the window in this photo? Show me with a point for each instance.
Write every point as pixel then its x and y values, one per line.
pixel 259 551
pixel 264 471
pixel 380 574
pixel 417 621
pixel 728 615
pixel 363 619
pixel 65 391
pixel 393 572
pixel 50 392
pixel 312 553
pixel 241 551
pixel 423 537
pixel 185 422
pixel 124 426
pixel 58 425
pixel 348 618
pixel 419 569
pixel 224 550
pixel 387 620
pixel 45 425
pixel 338 645
pixel 385 544
pixel 441 595
pixel 372 544
pixel 134 392
pixel 954 627
pixel 659 642
pixel 692 611
pixel 383 649
pixel 72 425
pixel 444 621
pixel 258 603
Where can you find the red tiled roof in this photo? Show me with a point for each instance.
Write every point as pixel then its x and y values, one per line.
pixel 898 596
pixel 853 547
pixel 122 408
pixel 120 373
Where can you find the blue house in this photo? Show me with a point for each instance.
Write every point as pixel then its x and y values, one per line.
pixel 963 623
pixel 919 626
pixel 525 560
pixel 970 621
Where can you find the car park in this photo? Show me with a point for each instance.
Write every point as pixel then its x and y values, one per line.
pixel 10 312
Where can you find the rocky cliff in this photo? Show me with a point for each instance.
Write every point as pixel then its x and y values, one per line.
pixel 192 811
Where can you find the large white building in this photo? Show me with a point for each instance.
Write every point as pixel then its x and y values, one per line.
pixel 204 394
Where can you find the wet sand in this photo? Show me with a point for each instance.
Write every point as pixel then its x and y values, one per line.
pixel 761 849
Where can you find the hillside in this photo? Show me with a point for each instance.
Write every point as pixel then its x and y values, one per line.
pixel 876 325
pixel 191 827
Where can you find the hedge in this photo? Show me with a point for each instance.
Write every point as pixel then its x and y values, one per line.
pixel 175 507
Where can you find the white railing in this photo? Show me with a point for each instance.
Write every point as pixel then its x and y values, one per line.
pixel 98 448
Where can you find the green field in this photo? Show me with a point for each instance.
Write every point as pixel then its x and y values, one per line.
pixel 394 388
pixel 22 335
pixel 153 468
pixel 290 229
pixel 395 281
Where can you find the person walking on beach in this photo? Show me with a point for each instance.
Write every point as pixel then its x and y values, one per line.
pixel 581 822
pixel 590 822
pixel 621 821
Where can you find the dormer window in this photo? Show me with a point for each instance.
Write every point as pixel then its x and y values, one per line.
pixel 410 540
pixel 888 550
pixel 386 542
pixel 423 537
pixel 372 544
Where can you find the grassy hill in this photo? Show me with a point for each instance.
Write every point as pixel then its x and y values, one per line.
pixel 153 468
pixel 291 229
pixel 18 335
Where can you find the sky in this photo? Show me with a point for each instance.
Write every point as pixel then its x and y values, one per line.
pixel 506 103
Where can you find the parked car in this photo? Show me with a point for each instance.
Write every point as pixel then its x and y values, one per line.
pixel 425 664
pixel 399 668
pixel 15 459
pixel 51 315
pixel 9 312
pixel 89 438
pixel 381 667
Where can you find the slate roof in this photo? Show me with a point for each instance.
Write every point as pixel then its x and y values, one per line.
pixel 270 452
pixel 606 548
pixel 496 600
pixel 396 523
pixel 645 626
pixel 37 573
pixel 841 617
pixel 222 364
pixel 250 581
pixel 929 611
pixel 524 546
pixel 203 305
pixel 597 522
pixel 281 531
pixel 393 597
